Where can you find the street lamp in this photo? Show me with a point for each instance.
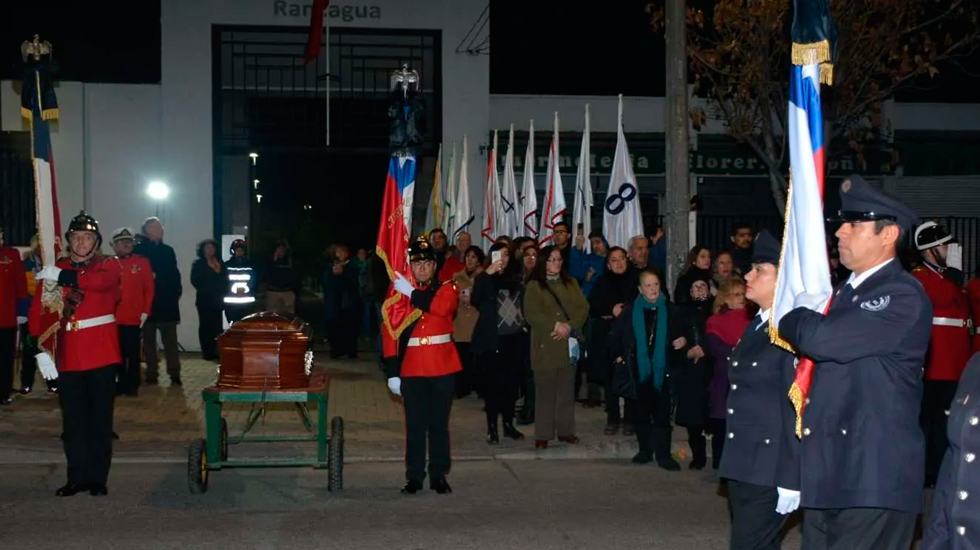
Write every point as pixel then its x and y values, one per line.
pixel 255 184
pixel 158 191
pixel 258 198
pixel 254 156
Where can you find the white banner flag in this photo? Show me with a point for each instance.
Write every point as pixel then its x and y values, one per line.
pixel 582 207
pixel 463 211
pixel 621 215
pixel 448 213
pixel 529 196
pixel 490 229
pixel 511 222
pixel 554 197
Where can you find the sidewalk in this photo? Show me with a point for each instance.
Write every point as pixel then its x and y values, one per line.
pixel 163 420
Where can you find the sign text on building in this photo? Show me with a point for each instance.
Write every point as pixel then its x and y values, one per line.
pixel 347 13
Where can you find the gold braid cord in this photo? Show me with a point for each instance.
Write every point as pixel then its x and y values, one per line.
pixel 816 53
pixel 796 397
pixel 416 313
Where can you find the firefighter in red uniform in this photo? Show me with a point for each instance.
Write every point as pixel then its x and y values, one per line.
pixel 137 287
pixel 87 354
pixel 422 367
pixel 949 343
pixel 13 288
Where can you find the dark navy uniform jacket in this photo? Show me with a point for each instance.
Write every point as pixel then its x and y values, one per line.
pixel 862 445
pixel 761 445
pixel 954 523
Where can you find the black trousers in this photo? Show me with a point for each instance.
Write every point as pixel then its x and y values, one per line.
pixel 342 334
pixel 937 397
pixel 505 371
pixel 209 327
pixel 427 401
pixel 755 523
pixel 8 351
pixel 87 399
pixel 857 529
pixel 716 427
pixel 651 419
pixel 236 312
pixel 698 444
pixel 128 377
pixel 465 382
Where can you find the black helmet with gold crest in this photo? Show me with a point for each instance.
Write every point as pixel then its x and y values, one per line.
pixel 84 222
pixel 421 250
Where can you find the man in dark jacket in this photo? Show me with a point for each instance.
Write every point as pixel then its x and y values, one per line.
pixel 165 313
pixel 281 283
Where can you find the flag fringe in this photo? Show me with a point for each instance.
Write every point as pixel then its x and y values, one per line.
pixel 416 313
pixel 798 399
pixel 827 73
pixel 49 114
pixel 26 113
pixel 811 54
pixel 774 337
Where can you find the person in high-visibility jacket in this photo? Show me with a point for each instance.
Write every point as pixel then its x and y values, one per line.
pixel 242 280
pixel 949 342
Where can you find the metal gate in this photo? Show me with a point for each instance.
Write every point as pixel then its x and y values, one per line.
pixel 266 98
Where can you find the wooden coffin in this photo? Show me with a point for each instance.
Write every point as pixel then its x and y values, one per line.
pixel 265 351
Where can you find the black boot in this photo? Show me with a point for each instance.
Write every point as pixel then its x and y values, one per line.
pixel 492 437
pixel 699 447
pixel 511 432
pixel 412 487
pixel 440 485
pixel 661 449
pixel 644 438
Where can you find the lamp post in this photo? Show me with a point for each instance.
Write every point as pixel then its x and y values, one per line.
pixel 158 191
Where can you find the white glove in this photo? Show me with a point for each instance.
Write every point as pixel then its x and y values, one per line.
pixel 46 365
pixel 814 302
pixel 48 273
pixel 21 320
pixel 954 256
pixel 395 385
pixel 143 317
pixel 788 501
pixel 403 286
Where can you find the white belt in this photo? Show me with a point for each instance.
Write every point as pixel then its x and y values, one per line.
pixel 91 322
pixel 948 322
pixel 239 299
pixel 430 340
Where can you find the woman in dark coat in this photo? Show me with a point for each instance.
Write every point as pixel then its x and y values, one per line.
pixel 614 290
pixel 691 367
pixel 208 278
pixel 642 339
pixel 697 268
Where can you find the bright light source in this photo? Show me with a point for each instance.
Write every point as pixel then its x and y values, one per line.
pixel 157 190
pixel 254 157
pixel 307 207
pixel 255 184
pixel 258 198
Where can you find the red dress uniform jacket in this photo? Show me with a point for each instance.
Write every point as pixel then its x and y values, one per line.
pixel 92 347
pixel 451 267
pixel 137 286
pixel 426 347
pixel 949 343
pixel 973 291
pixel 13 285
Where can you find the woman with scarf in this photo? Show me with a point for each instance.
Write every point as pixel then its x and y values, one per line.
pixel 691 369
pixel 614 290
pixel 722 332
pixel 697 267
pixel 641 341
pixel 500 339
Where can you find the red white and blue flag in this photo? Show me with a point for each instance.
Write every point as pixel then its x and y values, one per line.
pixel 394 233
pixel 39 105
pixel 804 266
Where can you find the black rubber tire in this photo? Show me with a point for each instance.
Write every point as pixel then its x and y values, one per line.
pixel 224 440
pixel 335 456
pixel 197 467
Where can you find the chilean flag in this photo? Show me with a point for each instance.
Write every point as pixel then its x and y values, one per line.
pixel 393 236
pixel 38 106
pixel 804 266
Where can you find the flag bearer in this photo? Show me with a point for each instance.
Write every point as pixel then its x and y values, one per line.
pixel 137 287
pixel 87 354
pixel 422 367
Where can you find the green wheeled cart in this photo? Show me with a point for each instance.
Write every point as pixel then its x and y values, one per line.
pixel 211 453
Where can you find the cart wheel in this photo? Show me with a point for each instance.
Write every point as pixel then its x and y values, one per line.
pixel 224 440
pixel 335 458
pixel 197 467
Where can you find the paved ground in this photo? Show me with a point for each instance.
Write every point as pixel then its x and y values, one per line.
pixel 164 419
pixel 496 504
